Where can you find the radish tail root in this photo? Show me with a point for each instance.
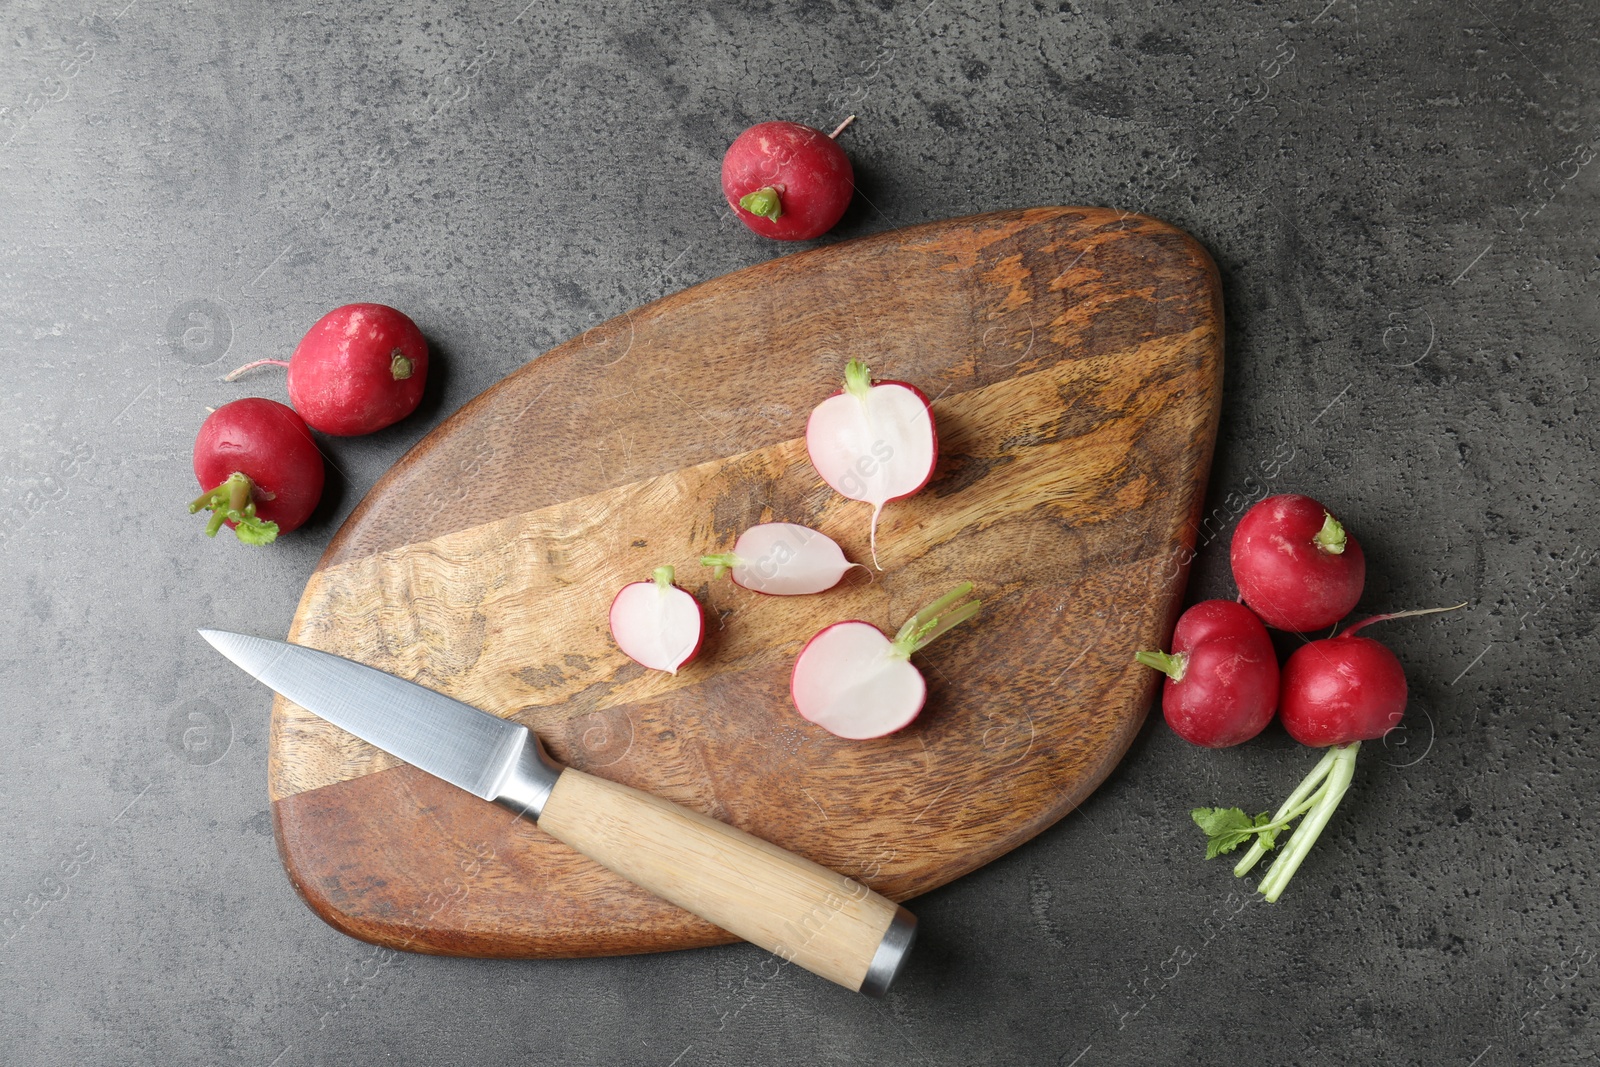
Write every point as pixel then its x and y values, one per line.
pixel 1348 630
pixel 877 509
pixel 234 375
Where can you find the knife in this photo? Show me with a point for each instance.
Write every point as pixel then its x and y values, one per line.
pixel 790 906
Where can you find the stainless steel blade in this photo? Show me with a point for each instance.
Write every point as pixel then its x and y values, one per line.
pixel 463 745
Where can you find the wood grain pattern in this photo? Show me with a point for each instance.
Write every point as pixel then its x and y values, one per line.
pixel 1074 355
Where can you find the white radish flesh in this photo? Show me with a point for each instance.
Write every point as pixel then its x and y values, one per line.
pixel 873 442
pixel 849 682
pixel 782 559
pixel 856 683
pixel 657 624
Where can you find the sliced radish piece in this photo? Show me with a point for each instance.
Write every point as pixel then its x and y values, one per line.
pixel 782 559
pixel 855 683
pixel 873 442
pixel 656 623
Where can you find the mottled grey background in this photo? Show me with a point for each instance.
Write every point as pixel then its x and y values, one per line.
pixel 1401 199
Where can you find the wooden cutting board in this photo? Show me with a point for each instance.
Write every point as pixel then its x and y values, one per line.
pixel 1074 356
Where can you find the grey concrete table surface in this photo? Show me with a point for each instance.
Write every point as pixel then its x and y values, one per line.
pixel 1402 201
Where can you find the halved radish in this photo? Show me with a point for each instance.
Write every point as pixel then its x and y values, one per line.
pixel 656 623
pixel 855 683
pixel 873 442
pixel 783 559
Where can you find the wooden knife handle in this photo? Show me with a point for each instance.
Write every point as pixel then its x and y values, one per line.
pixel 799 910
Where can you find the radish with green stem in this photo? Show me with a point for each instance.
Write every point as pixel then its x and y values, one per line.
pixel 1222 675
pixel 1337 692
pixel 788 181
pixel 1295 564
pixel 261 471
pixel 656 623
pixel 782 559
pixel 856 683
pixel 873 441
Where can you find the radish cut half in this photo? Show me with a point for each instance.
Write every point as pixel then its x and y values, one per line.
pixel 782 559
pixel 656 623
pixel 873 442
pixel 856 683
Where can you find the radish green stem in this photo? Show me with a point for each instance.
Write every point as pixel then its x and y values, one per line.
pixel 934 620
pixel 720 563
pixel 931 611
pixel 1307 786
pixel 1313 801
pixel 400 366
pixel 945 623
pixel 252 366
pixel 234 501
pixel 1172 666
pixel 1328 797
pixel 1331 538
pixel 857 379
pixel 764 202
pixel 663 577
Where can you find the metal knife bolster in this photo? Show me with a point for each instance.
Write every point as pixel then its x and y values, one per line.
pixel 528 779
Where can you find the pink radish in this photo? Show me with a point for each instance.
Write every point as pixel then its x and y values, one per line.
pixel 855 683
pixel 788 181
pixel 782 559
pixel 873 442
pixel 261 471
pixel 1342 689
pixel 1295 564
pixel 656 623
pixel 1222 675
pixel 360 368
pixel 1337 692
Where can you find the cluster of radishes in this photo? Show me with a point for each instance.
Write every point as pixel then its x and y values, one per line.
pixel 360 368
pixel 874 442
pixel 1297 569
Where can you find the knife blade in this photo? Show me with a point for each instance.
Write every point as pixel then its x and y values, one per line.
pixel 797 909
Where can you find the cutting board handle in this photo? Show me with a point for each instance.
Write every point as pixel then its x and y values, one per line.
pixel 796 909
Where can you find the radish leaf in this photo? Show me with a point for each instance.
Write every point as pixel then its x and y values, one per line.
pixel 233 501
pixel 1228 828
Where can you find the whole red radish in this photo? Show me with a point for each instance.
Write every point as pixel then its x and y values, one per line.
pixel 787 181
pixel 1342 689
pixel 657 624
pixel 873 441
pixel 260 469
pixel 1295 564
pixel 360 368
pixel 856 683
pixel 1222 675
